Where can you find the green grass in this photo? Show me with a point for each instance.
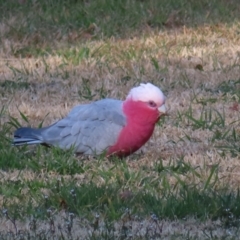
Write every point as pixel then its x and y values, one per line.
pixel 41 23
pixel 147 190
pixel 56 53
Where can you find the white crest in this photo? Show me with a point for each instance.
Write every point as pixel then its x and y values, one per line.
pixel 147 92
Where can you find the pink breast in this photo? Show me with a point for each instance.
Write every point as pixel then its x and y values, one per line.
pixel 140 125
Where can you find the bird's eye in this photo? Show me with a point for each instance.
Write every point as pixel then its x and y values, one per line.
pixel 152 104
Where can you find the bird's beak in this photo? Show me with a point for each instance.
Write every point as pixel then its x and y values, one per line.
pixel 162 109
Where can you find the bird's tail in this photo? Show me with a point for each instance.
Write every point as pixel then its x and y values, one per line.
pixel 28 136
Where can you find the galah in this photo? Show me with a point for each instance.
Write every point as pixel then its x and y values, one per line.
pixel 108 125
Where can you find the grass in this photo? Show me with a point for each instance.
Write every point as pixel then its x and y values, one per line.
pixel 184 184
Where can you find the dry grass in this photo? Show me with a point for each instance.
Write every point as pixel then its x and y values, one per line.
pixel 178 54
pixel 184 62
pixel 124 229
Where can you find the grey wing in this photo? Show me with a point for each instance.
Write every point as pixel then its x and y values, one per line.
pixel 89 129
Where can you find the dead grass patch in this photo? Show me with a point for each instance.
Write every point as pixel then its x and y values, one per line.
pixel 177 55
pixel 189 64
pixel 126 228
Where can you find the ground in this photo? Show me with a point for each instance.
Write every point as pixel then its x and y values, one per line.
pixel 184 183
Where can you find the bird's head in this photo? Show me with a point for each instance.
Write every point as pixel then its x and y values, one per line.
pixel 150 95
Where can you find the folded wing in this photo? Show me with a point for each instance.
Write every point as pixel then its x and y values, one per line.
pixel 89 129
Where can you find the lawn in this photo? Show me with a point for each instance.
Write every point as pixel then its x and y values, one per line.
pixel 184 183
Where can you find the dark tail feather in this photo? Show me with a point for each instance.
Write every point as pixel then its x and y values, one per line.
pixel 28 136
